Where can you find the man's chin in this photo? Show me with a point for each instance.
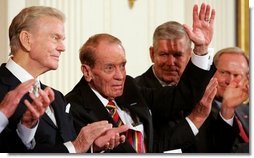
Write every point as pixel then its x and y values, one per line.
pixel 54 67
pixel 118 94
pixel 171 82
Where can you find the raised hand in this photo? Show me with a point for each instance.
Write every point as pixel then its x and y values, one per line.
pixel 234 95
pixel 203 26
pixel 202 110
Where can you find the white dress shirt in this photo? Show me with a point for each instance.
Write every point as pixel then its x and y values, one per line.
pixel 3 121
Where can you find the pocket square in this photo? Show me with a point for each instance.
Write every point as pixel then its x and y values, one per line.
pixel 67 109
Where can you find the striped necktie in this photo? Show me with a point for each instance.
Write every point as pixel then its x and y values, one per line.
pixel 135 138
pixel 113 112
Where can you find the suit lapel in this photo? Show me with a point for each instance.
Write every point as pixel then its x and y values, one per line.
pixel 242 112
pixel 94 107
pixel 131 100
pixel 45 117
pixel 151 79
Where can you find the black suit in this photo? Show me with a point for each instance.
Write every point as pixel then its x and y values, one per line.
pixel 164 103
pixel 176 132
pixel 87 108
pixel 48 137
pixel 242 113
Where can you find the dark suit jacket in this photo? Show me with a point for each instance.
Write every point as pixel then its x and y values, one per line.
pixel 48 137
pixel 87 108
pixel 164 103
pixel 176 132
pixel 242 112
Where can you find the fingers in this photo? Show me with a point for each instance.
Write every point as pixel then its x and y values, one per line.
pixel 188 29
pixel 211 90
pixel 88 134
pixel 11 100
pixel 195 13
pixel 50 93
pixel 212 18
pixel 205 14
pixel 38 107
pixel 43 98
pixel 202 11
pixel 35 113
pixel 120 129
pixel 114 141
pixel 111 138
pixel 21 90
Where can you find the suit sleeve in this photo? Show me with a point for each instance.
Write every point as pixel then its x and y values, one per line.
pixel 165 103
pixel 174 136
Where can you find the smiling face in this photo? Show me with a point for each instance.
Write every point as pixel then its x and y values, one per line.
pixel 230 68
pixel 170 58
pixel 108 74
pixel 47 43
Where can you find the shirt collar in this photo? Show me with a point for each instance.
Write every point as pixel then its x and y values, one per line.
pixel 102 99
pixel 18 71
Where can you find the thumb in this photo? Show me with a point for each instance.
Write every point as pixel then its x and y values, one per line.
pixel 188 29
pixel 121 129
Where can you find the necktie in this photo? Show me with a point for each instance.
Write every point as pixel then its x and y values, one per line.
pixel 113 112
pixel 36 88
pixel 135 138
pixel 242 133
pixel 49 111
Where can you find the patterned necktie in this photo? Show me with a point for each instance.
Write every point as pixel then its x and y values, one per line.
pixel 49 111
pixel 135 138
pixel 113 112
pixel 36 88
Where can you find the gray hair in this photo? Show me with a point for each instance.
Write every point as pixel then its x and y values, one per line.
pixel 26 19
pixel 169 31
pixel 230 50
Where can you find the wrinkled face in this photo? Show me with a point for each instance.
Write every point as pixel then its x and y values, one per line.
pixel 108 75
pixel 230 68
pixel 47 43
pixel 170 59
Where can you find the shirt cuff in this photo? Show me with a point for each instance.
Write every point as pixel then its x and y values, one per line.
pixel 27 135
pixel 203 62
pixel 229 121
pixel 4 121
pixel 70 147
pixel 192 126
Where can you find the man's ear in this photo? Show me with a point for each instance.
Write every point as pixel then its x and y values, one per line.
pixel 25 40
pixel 151 50
pixel 87 72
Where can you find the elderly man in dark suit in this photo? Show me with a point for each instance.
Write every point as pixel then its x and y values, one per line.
pixel 233 88
pixel 104 81
pixel 170 53
pixel 35 49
